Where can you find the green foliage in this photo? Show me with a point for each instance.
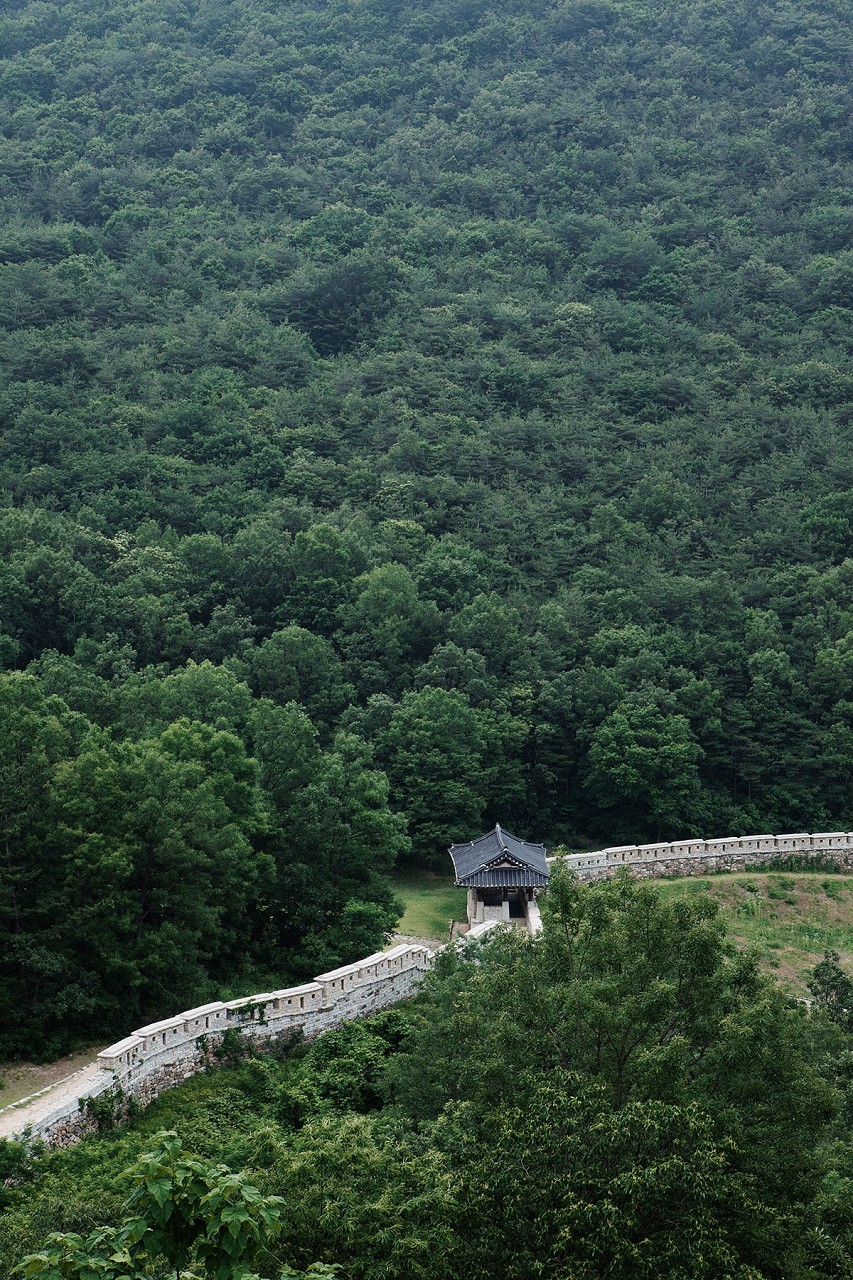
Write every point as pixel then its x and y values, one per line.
pixel 630 1029
pixel 17 1160
pixel 832 990
pixel 475 380
pixel 105 1109
pixel 139 872
pixel 643 1191
pixel 177 1208
pixel 66 1256
pixel 360 1189
pixel 435 744
pixel 642 760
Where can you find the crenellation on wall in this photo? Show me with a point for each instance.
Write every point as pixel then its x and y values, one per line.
pixel 157 1056
pixel 653 851
pixel 794 840
pixel 829 840
pixel 728 853
pixel 756 844
pixel 687 848
pixel 619 854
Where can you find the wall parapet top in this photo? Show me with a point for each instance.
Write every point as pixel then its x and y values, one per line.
pixel 243 1002
pixel 122 1046
pixel 696 849
pixel 165 1024
pixel 203 1010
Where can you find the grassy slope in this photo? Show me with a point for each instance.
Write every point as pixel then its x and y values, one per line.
pixel 790 919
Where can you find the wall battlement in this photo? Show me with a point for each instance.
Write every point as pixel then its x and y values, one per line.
pixel 160 1055
pixel 730 853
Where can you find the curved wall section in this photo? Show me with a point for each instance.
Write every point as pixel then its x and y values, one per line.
pixel 154 1058
pixel 730 853
pixel 162 1054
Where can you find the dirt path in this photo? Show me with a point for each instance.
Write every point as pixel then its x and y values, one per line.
pixel 14 1119
pixel 22 1080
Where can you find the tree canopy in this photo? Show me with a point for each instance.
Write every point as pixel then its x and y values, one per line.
pixel 474 378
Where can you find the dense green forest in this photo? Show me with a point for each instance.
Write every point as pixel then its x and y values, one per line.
pixel 622 1098
pixel 413 415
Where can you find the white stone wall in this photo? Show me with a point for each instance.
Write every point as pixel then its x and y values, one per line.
pixel 689 857
pixel 157 1056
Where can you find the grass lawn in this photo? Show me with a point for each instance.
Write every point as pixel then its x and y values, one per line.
pixel 789 918
pixel 431 902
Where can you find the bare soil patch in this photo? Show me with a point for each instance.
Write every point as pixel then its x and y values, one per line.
pixel 20 1079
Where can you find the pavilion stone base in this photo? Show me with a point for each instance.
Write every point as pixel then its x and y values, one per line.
pixel 510 905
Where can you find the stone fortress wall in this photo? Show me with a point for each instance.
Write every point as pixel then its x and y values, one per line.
pixel 697 857
pixel 156 1057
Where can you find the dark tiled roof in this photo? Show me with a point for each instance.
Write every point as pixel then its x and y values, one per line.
pixel 474 863
pixel 503 877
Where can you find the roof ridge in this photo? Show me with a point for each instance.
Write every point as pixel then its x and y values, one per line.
pixel 519 857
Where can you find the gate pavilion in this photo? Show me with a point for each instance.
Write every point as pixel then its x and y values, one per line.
pixel 503 875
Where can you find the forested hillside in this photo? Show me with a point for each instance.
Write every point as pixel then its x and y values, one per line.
pixel 413 415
